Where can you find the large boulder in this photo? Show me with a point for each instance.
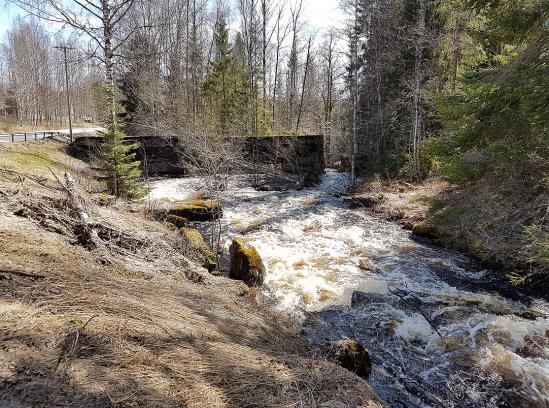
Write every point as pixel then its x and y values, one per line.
pixel 197 210
pixel 177 221
pixel 246 264
pixel 425 230
pixel 365 200
pixel 195 241
pixel 351 355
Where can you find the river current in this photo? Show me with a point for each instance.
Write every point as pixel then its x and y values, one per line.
pixel 437 335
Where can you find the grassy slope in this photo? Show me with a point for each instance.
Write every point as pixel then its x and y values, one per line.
pixel 131 328
pixel 501 221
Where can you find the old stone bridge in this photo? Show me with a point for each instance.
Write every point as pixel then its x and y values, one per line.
pixel 299 155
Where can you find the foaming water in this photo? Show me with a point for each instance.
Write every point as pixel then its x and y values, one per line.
pixel 436 338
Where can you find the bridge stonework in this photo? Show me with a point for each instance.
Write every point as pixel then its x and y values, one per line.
pixel 301 155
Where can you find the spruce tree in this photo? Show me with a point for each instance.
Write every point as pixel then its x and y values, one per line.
pixel 118 164
pixel 225 88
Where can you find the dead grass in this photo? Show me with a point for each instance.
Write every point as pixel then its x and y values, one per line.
pixel 130 329
pixel 11 125
pixel 400 201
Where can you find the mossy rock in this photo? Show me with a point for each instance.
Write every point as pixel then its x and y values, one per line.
pixel 197 210
pixel 196 242
pixel 246 264
pixel 350 354
pixel 424 230
pixel 365 201
pixel 264 187
pixel 171 227
pixel 210 264
pixel 179 222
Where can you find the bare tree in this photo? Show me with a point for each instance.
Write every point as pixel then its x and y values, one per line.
pixel 99 20
pixel 329 59
pixel 281 34
pixel 416 135
pixel 304 83
pixel 293 61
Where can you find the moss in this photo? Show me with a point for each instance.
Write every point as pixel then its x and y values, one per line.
pixel 246 264
pixel 210 264
pixel 197 210
pixel 171 227
pixel 196 242
pixel 179 222
pixel 250 253
pixel 195 239
pixel 264 187
pixel 423 229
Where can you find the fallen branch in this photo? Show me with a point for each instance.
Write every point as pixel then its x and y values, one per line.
pixel 85 230
pixel 20 273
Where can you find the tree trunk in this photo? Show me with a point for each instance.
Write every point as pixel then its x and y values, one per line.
pixel 416 98
pixel 108 54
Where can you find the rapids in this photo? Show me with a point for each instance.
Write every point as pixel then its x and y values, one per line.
pixel 437 333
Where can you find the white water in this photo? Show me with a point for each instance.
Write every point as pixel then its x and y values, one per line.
pixel 475 351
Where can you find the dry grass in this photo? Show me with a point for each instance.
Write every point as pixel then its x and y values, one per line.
pixel 11 125
pixel 130 329
pixel 400 201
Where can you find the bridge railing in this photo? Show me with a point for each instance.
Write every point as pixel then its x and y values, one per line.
pixel 27 136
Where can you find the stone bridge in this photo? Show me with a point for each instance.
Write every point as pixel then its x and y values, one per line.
pixel 299 155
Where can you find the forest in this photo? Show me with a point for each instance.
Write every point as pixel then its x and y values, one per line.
pixel 402 89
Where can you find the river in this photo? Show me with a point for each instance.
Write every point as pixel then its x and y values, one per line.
pixel 437 336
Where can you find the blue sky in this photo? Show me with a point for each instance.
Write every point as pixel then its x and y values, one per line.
pixel 7 15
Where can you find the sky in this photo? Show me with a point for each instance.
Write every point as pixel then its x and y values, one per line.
pixel 319 13
pixel 7 15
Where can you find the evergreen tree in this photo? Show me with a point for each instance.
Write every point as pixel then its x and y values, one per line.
pixel 225 88
pixel 117 157
pixel 117 162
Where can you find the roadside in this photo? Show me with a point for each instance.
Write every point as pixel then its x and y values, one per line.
pixel 134 322
pixel 30 135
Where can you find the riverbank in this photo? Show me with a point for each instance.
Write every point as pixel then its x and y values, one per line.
pixel 437 331
pixel 503 232
pixel 398 201
pixel 134 322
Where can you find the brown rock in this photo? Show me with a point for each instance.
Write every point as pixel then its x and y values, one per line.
pixel 176 220
pixel 246 264
pixel 364 201
pixel 198 210
pixel 351 355
pixel 196 242
pixel 424 230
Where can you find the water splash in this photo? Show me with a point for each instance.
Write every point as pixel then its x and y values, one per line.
pixel 442 341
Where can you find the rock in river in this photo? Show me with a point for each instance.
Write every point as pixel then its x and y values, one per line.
pixel 197 210
pixel 196 242
pixel 351 355
pixel 246 264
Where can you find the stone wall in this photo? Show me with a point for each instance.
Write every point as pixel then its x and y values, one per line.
pixel 162 155
pixel 303 155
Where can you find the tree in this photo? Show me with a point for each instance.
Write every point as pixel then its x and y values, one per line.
pixel 225 88
pixel 329 66
pixel 101 21
pixel 117 162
